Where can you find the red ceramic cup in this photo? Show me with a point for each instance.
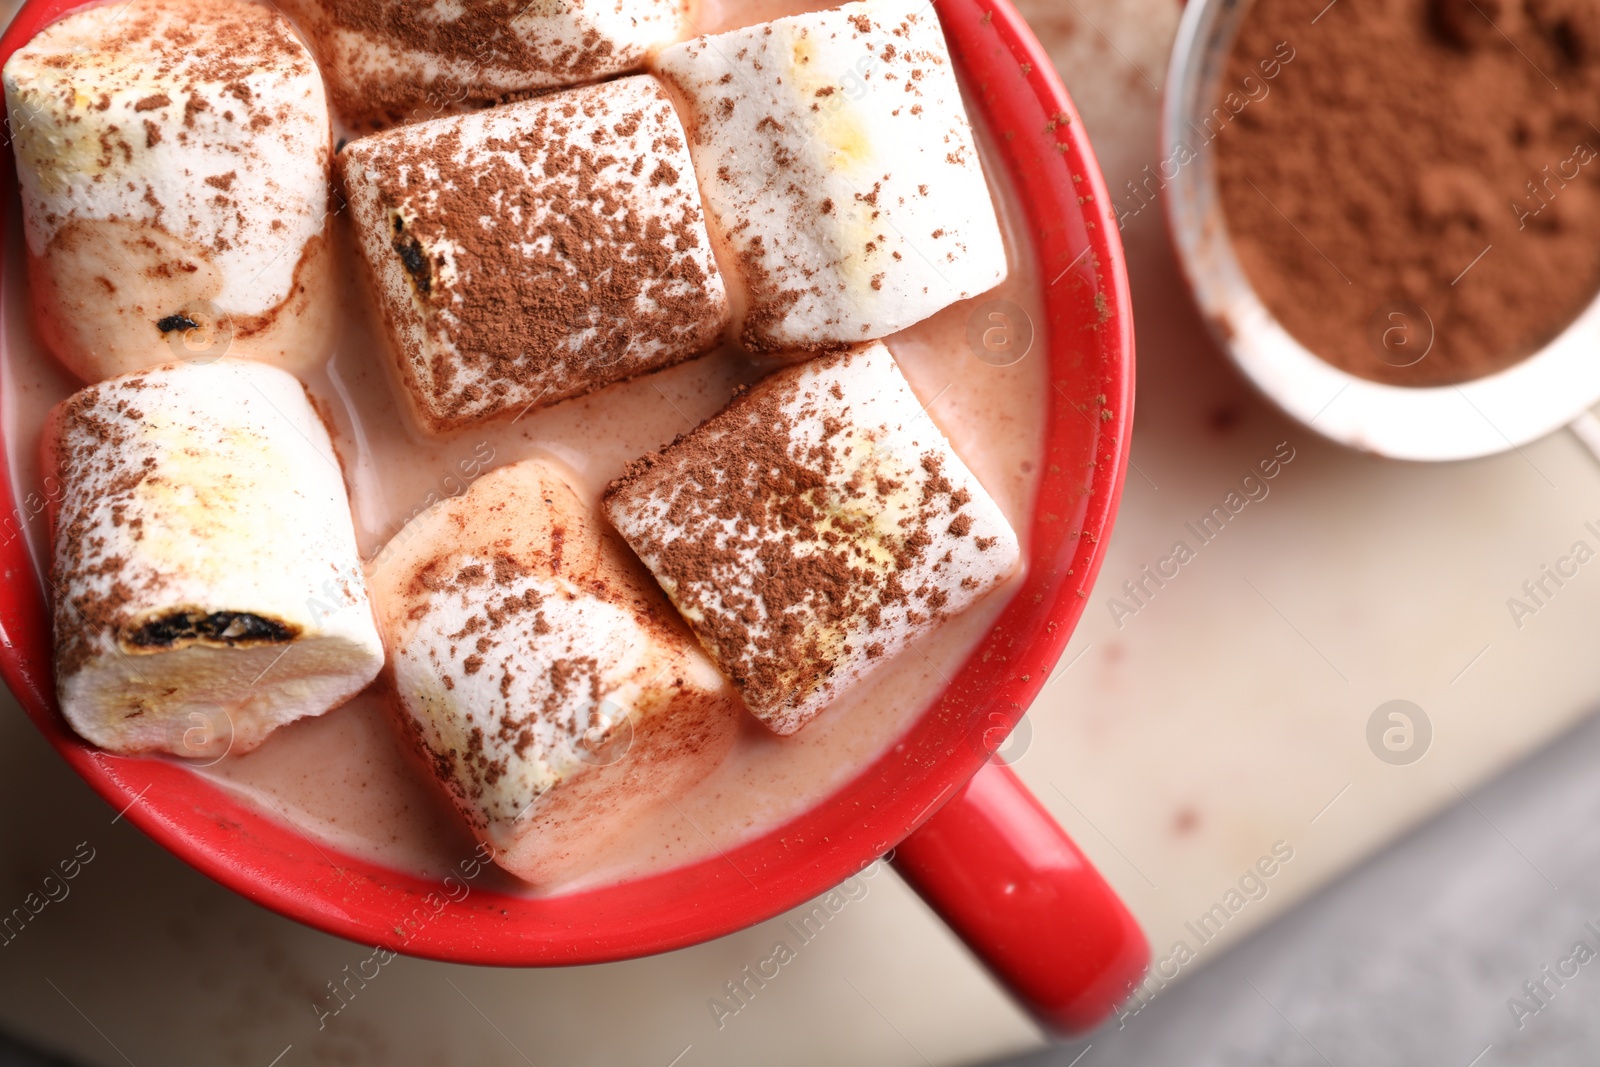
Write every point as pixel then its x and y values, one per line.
pixel 977 846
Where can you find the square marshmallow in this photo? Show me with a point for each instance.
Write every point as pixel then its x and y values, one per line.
pixel 812 529
pixel 839 172
pixel 536 251
pixel 394 61
pixel 207 585
pixel 544 678
pixel 173 157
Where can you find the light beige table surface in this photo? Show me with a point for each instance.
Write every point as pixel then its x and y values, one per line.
pixel 1227 715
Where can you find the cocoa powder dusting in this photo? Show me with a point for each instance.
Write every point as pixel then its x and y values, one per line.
pixel 90 453
pixel 545 258
pixel 541 687
pixel 789 268
pixel 217 42
pixel 769 547
pixel 1415 154
pixel 480 44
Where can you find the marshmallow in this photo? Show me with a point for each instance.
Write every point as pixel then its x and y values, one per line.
pixel 207 586
pixel 546 681
pixel 536 251
pixel 174 161
pixel 839 173
pixel 812 529
pixel 393 61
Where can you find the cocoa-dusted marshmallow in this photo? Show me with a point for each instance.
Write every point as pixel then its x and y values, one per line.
pixel 207 586
pixel 536 251
pixel 812 529
pixel 546 681
pixel 393 61
pixel 173 157
pixel 840 177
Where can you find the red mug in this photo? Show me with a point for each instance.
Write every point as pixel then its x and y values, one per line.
pixel 965 832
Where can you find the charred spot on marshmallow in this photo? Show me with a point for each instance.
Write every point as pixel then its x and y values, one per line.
pixel 178 320
pixel 176 629
pixel 414 259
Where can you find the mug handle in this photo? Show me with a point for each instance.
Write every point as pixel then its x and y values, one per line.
pixel 1006 878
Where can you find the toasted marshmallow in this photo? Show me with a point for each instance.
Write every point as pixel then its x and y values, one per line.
pixel 812 529
pixel 536 251
pixel 545 679
pixel 207 586
pixel 174 164
pixel 839 173
pixel 394 61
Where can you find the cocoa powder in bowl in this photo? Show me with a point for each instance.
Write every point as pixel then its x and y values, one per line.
pixel 1440 155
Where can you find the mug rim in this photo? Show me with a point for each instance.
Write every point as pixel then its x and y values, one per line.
pixel 1019 99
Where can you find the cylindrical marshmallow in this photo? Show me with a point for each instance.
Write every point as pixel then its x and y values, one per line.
pixel 207 583
pixel 547 682
pixel 174 163
pixel 841 180
pixel 397 61
pixel 537 251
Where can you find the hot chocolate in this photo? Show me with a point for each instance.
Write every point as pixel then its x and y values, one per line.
pixel 349 778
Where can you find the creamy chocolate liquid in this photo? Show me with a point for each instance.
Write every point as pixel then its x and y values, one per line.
pixel 345 779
